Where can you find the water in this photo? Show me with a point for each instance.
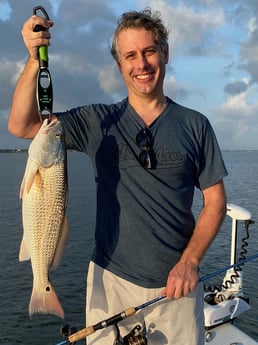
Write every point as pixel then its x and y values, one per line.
pixel 69 279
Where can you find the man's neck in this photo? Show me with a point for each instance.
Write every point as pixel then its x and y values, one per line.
pixel 148 108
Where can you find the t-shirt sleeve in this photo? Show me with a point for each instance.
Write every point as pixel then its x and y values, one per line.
pixel 211 166
pixel 77 124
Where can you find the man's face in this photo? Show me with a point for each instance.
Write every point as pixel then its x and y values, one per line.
pixel 142 62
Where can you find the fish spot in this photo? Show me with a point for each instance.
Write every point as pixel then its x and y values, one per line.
pixel 48 289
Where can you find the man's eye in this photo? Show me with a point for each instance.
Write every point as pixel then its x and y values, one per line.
pixel 150 52
pixel 130 56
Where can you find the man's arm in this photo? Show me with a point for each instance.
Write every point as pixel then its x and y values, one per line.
pixel 184 277
pixel 24 120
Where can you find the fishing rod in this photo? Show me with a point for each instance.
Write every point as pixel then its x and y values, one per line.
pixel 113 320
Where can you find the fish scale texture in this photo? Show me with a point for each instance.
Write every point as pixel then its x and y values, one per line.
pixel 45 228
pixel 43 213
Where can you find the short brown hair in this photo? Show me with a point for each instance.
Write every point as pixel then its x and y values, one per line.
pixel 142 19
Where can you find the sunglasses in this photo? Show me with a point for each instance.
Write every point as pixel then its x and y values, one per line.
pixel 146 157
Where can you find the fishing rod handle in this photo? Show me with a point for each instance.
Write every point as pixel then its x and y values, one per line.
pixel 130 311
pixel 83 333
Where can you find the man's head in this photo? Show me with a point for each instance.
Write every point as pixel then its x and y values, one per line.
pixel 137 20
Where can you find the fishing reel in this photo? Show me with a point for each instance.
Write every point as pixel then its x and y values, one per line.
pixel 66 331
pixel 135 337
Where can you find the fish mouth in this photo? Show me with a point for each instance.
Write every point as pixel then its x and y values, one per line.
pixel 51 123
pixel 47 126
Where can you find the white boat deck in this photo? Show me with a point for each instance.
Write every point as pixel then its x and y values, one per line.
pixel 227 334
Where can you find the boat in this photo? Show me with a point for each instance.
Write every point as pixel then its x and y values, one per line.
pixel 224 305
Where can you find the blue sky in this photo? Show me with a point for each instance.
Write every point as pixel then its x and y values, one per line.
pixel 213 59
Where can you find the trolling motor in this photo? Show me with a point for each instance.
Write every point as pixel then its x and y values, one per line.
pixel 226 302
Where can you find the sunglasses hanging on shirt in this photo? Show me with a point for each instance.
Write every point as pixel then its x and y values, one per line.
pixel 145 141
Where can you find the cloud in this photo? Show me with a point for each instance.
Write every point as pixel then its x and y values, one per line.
pixel 236 86
pixel 191 30
pixel 5 11
pixel 249 50
pixel 172 87
pixel 205 35
pixel 10 71
pixel 228 69
pixel 237 119
pixel 111 81
pixel 238 106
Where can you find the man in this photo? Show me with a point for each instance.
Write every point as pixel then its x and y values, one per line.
pixel 148 155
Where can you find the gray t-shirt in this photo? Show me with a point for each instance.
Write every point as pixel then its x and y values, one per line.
pixel 144 219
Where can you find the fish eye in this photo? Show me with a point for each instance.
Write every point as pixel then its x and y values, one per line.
pixel 58 135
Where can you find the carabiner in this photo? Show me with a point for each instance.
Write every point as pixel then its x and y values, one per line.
pixel 40 8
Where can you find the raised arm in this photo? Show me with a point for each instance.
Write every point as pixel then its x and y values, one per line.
pixel 24 120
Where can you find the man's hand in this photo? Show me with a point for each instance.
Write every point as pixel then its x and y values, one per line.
pixel 182 279
pixel 33 39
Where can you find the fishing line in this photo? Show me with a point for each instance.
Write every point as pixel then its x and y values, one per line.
pixel 131 311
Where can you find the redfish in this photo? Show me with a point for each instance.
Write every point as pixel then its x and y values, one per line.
pixel 45 227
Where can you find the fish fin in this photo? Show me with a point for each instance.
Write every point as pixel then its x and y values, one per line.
pixel 22 188
pixel 28 179
pixel 24 251
pixel 46 302
pixel 60 245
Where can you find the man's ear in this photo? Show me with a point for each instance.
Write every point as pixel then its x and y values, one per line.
pixel 166 54
pixel 119 66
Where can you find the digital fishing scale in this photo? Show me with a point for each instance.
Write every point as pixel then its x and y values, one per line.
pixel 44 91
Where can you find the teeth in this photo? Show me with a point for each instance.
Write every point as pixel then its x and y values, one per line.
pixel 143 76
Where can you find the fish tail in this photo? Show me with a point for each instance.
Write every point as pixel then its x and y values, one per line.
pixel 45 302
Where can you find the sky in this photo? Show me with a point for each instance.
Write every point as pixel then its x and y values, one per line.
pixel 213 64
